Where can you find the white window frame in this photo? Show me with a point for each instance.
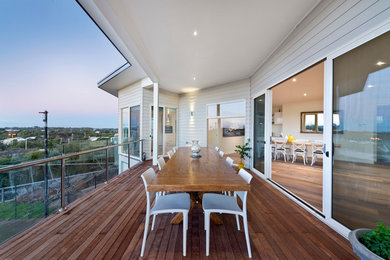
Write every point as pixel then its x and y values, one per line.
pixel 128 126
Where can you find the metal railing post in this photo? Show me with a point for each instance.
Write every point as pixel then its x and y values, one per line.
pixel 2 195
pixel 63 184
pixel 128 156
pixel 107 177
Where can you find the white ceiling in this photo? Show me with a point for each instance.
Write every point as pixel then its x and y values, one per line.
pixel 234 37
pixel 310 81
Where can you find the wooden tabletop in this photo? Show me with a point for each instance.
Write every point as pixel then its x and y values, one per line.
pixel 208 173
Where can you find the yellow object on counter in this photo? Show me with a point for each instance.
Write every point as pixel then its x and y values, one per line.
pixel 290 139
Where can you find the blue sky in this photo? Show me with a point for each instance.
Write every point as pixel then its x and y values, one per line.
pixel 51 57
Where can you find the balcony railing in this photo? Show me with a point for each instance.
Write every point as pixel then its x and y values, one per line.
pixel 33 190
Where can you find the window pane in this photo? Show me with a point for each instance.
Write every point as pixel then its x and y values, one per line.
pixel 320 122
pixel 361 161
pixel 212 110
pixel 232 109
pixel 125 128
pixel 309 123
pixel 135 130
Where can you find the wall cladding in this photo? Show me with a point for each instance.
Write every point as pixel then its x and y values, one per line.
pixel 327 28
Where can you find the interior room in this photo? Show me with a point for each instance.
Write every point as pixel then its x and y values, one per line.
pixel 297 134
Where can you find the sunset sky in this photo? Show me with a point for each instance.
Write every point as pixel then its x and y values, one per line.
pixel 51 57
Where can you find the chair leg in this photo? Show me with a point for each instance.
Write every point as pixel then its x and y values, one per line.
pixel 248 242
pixel 145 234
pixel 207 227
pixel 185 227
pixel 238 222
pixel 154 219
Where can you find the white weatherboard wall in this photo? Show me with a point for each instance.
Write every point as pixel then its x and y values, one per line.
pixel 195 127
pixel 327 28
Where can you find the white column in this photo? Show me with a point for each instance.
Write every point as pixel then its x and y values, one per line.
pixel 155 123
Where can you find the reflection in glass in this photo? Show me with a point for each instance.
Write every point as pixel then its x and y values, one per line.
pixel 170 129
pixel 125 128
pixel 232 109
pixel 361 136
pixel 135 130
pixel 259 134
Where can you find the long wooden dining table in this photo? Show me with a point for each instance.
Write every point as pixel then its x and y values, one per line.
pixel 209 173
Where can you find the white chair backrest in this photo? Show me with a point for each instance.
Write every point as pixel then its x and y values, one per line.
pixel 317 147
pixel 299 145
pixel 280 145
pixel 160 163
pixel 221 153
pixel 217 149
pixel 174 149
pixel 229 161
pixel 147 176
pixel 243 194
pixel 170 154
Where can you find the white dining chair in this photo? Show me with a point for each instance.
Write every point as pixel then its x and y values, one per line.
pixel 160 163
pixel 216 148
pixel 299 149
pixel 230 161
pixel 170 154
pixel 281 149
pixel 174 149
pixel 317 150
pixel 171 203
pixel 218 203
pixel 221 154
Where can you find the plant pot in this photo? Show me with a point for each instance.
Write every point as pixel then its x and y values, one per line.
pixel 241 166
pixel 361 250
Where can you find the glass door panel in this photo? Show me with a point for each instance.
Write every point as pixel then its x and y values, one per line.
pixel 170 129
pixel 160 130
pixel 361 135
pixel 259 133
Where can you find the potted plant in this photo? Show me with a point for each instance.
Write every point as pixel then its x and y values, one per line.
pixel 243 150
pixel 371 243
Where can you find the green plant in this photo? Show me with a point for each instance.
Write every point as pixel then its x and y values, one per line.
pixel 244 150
pixel 378 240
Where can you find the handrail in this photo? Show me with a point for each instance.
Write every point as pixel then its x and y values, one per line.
pixel 56 158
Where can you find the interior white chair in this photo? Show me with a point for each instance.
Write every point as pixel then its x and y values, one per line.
pixel 281 149
pixel 174 149
pixel 299 149
pixel 221 154
pixel 171 203
pixel 217 149
pixel 317 150
pixel 160 163
pixel 218 203
pixel 170 154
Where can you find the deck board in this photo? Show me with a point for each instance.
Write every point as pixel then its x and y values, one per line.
pixel 108 223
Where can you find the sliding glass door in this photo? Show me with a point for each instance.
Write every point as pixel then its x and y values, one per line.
pixel 259 134
pixel 361 135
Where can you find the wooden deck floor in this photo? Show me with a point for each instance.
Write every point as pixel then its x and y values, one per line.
pixel 108 223
pixel 305 181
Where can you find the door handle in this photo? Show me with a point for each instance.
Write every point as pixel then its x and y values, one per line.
pixel 327 152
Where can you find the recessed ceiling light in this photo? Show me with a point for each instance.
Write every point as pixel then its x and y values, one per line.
pixel 370 86
pixel 294 79
pixel 380 63
pixel 195 33
pixel 305 94
pixel 194 78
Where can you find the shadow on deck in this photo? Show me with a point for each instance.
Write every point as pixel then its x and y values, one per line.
pixel 108 223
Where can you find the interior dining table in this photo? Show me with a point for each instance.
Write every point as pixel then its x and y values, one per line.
pixel 209 173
